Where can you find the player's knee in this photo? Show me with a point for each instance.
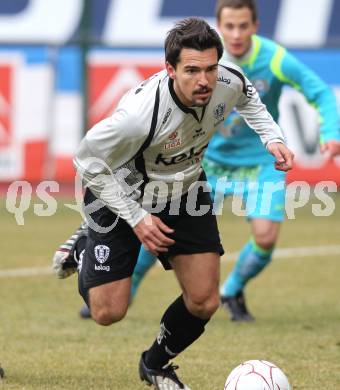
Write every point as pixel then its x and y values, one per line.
pixel 107 316
pixel 266 240
pixel 204 306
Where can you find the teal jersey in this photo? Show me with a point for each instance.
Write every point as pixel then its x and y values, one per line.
pixel 269 67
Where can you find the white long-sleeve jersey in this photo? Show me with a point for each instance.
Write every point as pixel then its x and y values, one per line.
pixel 156 138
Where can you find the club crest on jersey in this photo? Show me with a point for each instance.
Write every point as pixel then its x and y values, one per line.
pixel 219 110
pixel 174 141
pixel 219 113
pixel 102 253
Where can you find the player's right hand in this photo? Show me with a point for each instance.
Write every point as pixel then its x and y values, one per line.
pixel 151 232
pixel 284 156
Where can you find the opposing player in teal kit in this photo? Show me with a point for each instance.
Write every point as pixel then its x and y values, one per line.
pixel 237 153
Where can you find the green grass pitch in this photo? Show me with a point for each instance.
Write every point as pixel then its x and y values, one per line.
pixel 296 301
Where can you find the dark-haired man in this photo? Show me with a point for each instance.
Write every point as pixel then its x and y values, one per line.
pixel 236 152
pixel 145 184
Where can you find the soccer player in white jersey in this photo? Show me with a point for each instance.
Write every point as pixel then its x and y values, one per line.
pixel 236 152
pixel 145 184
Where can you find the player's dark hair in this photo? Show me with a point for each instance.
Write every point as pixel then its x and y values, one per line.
pixel 191 33
pixel 236 4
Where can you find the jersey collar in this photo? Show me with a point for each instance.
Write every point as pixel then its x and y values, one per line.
pixel 188 110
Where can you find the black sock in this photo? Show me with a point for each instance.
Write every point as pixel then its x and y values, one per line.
pixel 179 329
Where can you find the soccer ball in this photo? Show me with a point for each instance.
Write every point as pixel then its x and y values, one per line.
pixel 257 375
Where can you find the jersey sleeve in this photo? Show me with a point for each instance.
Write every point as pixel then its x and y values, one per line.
pixel 255 113
pixel 293 72
pixel 101 157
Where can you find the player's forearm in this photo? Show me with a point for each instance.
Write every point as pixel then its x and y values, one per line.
pixel 259 119
pixel 318 94
pixel 115 193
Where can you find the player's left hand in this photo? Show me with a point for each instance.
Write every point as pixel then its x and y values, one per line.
pixel 284 156
pixel 331 148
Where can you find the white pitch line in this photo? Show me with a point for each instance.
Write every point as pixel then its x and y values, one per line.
pixel 280 253
pixel 290 253
pixel 32 271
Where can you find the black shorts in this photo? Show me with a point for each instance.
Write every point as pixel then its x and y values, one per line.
pixel 112 256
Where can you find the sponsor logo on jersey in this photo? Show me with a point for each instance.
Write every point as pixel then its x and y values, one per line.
pixel 223 80
pixel 174 141
pixel 192 154
pixel 102 267
pixel 173 135
pixel 102 253
pixel 250 90
pixel 198 133
pixel 166 117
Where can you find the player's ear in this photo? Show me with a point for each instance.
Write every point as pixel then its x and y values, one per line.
pixel 170 69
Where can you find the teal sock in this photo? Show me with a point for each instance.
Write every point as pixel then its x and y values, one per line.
pixel 251 261
pixel 145 261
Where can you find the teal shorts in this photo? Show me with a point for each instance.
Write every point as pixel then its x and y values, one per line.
pixel 261 188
